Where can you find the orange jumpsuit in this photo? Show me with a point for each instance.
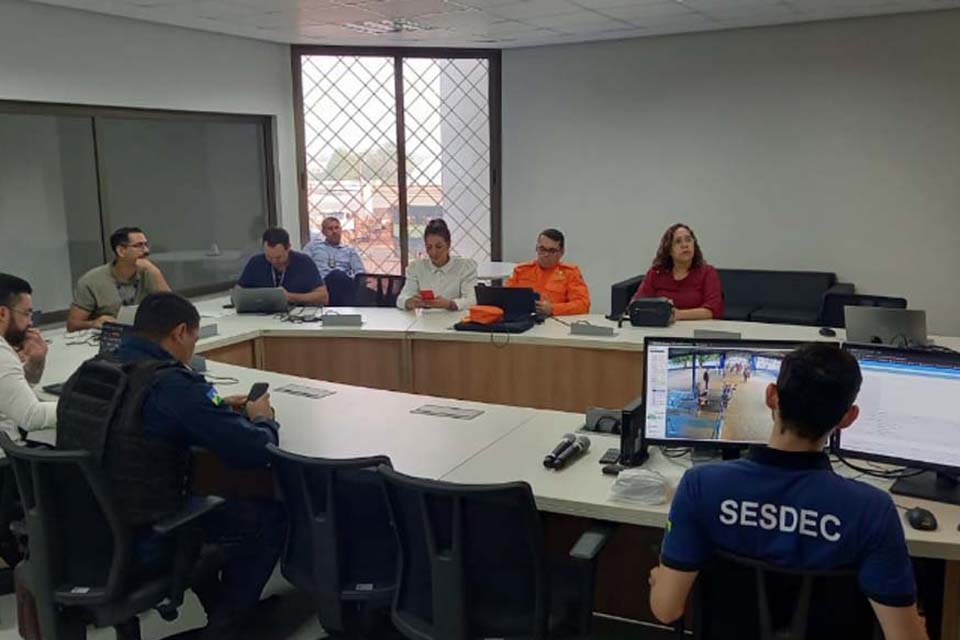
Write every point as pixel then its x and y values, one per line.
pixel 563 286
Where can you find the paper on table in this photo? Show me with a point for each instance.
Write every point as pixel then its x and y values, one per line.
pixel 447 412
pixel 314 393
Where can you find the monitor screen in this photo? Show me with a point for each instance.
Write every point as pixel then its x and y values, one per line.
pixel 908 411
pixel 709 391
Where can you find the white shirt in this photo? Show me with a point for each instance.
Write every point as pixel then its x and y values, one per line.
pixel 455 281
pixel 19 405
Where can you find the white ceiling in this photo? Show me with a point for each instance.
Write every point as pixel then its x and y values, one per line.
pixel 482 23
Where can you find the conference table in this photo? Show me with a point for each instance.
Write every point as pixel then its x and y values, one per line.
pixel 374 382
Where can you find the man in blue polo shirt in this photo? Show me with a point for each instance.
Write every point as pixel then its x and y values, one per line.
pixel 784 505
pixel 278 266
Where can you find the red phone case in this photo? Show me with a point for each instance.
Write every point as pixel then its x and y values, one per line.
pixel 427 294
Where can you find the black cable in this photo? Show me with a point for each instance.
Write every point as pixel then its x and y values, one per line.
pixel 886 474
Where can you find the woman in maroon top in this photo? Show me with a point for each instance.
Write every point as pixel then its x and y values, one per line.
pixel 680 274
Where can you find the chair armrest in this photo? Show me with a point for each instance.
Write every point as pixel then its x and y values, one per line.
pixel 592 541
pixel 846 288
pixel 197 508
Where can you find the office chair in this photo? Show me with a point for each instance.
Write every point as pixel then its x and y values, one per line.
pixel 79 567
pixel 473 564
pixel 737 597
pixel 340 546
pixel 378 290
pixel 833 304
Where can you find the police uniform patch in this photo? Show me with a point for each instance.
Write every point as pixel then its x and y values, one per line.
pixel 214 397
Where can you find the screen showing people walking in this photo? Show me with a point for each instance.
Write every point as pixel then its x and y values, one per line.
pixel 698 390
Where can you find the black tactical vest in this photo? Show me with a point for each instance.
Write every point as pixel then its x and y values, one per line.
pixel 100 412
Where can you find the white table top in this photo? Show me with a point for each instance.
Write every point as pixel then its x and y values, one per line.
pixel 580 489
pixel 502 444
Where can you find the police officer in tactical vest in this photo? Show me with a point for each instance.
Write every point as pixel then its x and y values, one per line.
pixel 164 410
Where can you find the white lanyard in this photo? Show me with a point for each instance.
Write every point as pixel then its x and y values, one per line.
pixel 274 274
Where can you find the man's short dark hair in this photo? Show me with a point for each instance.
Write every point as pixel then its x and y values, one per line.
pixel 11 288
pixel 554 234
pixel 275 235
pixel 122 236
pixel 817 385
pixel 160 313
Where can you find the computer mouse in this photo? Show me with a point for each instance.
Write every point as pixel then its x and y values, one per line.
pixel 921 519
pixel 828 332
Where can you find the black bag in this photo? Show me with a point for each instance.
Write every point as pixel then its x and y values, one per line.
pixel 504 326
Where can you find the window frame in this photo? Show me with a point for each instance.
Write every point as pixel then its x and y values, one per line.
pixel 264 123
pixel 493 57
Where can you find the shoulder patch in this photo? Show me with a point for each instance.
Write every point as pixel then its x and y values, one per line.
pixel 214 397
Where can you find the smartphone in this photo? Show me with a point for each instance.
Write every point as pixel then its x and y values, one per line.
pixel 426 294
pixel 257 391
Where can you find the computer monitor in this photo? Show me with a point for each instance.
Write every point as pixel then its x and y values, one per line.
pixel 908 417
pixel 709 393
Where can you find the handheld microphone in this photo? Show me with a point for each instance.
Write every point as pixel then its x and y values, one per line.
pixel 575 450
pixel 551 458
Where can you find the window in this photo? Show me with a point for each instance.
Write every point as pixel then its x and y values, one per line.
pixel 197 184
pixel 390 140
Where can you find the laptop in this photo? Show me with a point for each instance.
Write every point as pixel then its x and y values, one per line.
pixel 259 300
pixel 127 314
pixel 881 325
pixel 517 302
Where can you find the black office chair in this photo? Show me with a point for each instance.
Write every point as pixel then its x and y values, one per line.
pixel 79 567
pixel 377 289
pixel 9 513
pixel 473 564
pixel 833 303
pixel 340 546
pixel 736 597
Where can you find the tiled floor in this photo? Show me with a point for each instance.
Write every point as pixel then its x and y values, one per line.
pixel 294 618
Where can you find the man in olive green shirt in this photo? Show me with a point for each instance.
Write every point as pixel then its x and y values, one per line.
pixel 127 280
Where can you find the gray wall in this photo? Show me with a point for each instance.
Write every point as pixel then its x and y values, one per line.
pixel 831 146
pixel 50 54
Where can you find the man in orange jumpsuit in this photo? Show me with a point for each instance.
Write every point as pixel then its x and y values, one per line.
pixel 562 289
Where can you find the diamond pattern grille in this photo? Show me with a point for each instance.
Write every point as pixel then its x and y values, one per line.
pixel 350 119
pixel 447 128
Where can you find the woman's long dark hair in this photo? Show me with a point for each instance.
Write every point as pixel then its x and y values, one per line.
pixel 664 259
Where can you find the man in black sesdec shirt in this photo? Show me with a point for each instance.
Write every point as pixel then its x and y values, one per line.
pixel 783 503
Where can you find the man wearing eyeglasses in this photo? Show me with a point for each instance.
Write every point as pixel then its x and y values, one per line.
pixel 562 289
pixel 126 281
pixel 23 353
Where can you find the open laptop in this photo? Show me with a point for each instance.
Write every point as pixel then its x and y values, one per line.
pixel 127 314
pixel 517 302
pixel 260 300
pixel 881 325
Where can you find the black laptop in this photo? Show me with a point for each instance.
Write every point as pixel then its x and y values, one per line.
pixel 517 303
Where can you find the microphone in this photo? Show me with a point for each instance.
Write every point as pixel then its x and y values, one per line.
pixel 572 452
pixel 551 458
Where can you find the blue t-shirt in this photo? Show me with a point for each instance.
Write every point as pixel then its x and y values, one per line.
pixel 790 509
pixel 301 275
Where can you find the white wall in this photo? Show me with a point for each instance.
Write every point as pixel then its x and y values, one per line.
pixel 50 54
pixel 832 146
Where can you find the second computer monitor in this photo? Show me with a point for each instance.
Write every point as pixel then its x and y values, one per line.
pixel 709 392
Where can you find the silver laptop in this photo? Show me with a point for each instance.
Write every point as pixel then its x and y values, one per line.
pixel 127 314
pixel 880 325
pixel 260 300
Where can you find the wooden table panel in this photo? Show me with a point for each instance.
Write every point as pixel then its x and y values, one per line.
pixel 365 362
pixel 543 377
pixel 241 354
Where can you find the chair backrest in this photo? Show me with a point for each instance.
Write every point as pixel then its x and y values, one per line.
pixel 378 289
pixel 833 304
pixel 472 563
pixel 80 549
pixel 340 544
pixel 748 599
